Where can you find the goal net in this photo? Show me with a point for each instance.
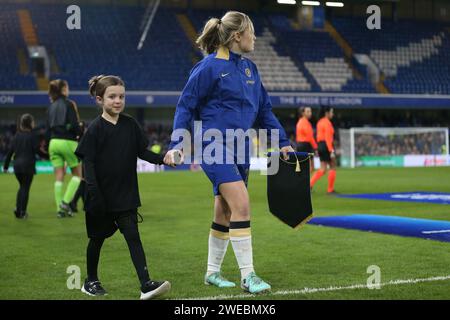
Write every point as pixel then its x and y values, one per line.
pixel 395 147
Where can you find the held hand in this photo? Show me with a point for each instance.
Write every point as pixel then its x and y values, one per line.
pixel 285 151
pixel 173 157
pixel 332 155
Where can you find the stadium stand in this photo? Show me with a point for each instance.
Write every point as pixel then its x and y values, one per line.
pixel 288 59
pixel 320 55
pixel 277 72
pixel 164 66
pixel 413 62
pixel 12 49
pixel 331 74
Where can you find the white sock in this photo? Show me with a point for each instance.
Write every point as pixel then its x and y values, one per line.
pixel 217 247
pixel 241 240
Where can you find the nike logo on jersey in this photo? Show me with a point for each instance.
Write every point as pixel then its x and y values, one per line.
pixel 225 74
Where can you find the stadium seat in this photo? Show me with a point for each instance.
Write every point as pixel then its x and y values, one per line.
pixel 413 62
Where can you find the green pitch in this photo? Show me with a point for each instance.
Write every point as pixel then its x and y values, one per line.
pixel 177 210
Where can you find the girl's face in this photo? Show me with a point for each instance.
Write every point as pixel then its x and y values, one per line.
pixel 113 100
pixel 246 40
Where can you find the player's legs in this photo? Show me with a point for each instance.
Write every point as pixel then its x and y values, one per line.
pixel 218 240
pixel 325 158
pixel 18 211
pixel 98 227
pixel 57 160
pixel 78 194
pixel 92 285
pixel 319 173
pixel 222 213
pixel 24 180
pixel 127 223
pixel 71 189
pixel 236 196
pixel 92 257
pixel 76 171
pixel 58 188
pixel 68 152
pixel 332 176
pixel 26 186
pixel 59 173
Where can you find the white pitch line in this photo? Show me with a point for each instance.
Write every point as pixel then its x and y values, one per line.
pixel 327 289
pixel 435 231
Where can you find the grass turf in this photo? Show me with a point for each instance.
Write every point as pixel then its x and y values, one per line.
pixel 177 210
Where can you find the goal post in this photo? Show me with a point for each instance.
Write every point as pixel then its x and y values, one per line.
pixel 395 147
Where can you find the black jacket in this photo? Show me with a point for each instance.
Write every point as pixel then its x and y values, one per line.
pixel 24 147
pixel 63 120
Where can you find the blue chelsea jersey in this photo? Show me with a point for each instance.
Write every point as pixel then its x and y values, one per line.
pixel 224 91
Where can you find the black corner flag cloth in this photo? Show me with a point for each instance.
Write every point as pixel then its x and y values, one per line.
pixel 288 190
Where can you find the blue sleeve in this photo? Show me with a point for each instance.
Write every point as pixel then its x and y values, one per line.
pixel 267 120
pixel 194 93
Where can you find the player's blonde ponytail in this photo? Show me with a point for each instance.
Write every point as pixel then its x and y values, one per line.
pixel 220 32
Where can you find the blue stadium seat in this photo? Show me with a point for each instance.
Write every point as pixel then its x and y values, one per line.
pixel 413 62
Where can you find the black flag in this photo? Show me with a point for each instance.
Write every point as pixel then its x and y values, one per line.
pixel 288 191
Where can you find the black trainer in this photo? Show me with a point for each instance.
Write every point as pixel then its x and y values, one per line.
pixel 65 207
pixel 60 214
pixel 153 289
pixel 333 193
pixel 23 215
pixel 93 288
